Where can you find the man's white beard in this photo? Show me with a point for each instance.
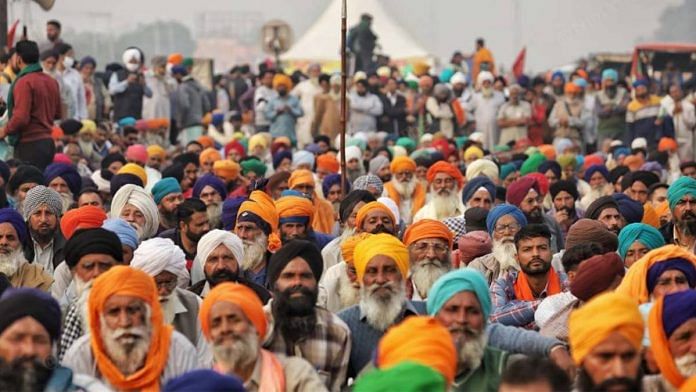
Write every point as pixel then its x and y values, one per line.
pixel 86 147
pixel 347 232
pixel 167 305
pixel 139 229
pixel 381 312
pixel 348 294
pixel 214 211
pixel 128 354
pixel 405 189
pixel 504 253
pixel 66 200
pixel 254 252
pixel 9 263
pixel 445 206
pixel 686 364
pixel 594 194
pixel 83 301
pixel 237 354
pixel 425 272
pixel 470 349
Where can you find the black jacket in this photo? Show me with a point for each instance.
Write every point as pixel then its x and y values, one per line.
pixel 393 121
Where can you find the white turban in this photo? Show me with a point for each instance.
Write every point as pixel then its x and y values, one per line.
pixel 483 76
pixel 399 151
pixel 161 254
pixel 353 152
pixel 102 184
pixel 482 166
pixel 142 200
pixel 208 243
pixel 391 205
pixel 129 53
pixel 458 77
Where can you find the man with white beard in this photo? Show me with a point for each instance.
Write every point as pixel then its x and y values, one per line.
pixel 598 178
pixel 339 287
pixel 503 222
pixel 429 245
pixel 404 188
pixel 88 253
pixel 218 261
pixel 129 347
pixel 254 227
pixel 381 265
pixel 42 211
pixel 13 264
pixel 136 206
pixel 234 324
pixel 65 180
pixel 166 263
pixel 212 191
pixel 445 183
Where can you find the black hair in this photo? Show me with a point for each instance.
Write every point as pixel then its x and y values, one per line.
pixel 363 82
pixel 655 187
pixel 186 209
pixel 532 231
pixel 194 142
pixel 5 58
pixel 185 159
pixel 266 71
pixel 28 51
pixel 63 48
pixel 54 22
pixel 322 138
pixel 686 165
pixel 500 193
pixel 480 41
pixel 575 255
pixel 46 54
pixel 531 370
pixel 88 189
pixel 127 130
pixel 324 78
pixel 616 173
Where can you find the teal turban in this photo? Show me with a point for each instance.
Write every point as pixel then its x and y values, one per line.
pixel 406 143
pixel 453 282
pixel 645 234
pixel 165 187
pixel 684 185
pixel 532 163
pixel 506 170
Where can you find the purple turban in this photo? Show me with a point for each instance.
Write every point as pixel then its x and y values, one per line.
pixel 8 215
pixel 209 180
pixel 67 172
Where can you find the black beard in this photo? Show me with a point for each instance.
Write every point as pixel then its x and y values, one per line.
pixel 585 384
pixel 381 229
pixel 221 277
pixel 386 178
pixel 285 238
pixel 687 224
pixel 41 236
pixel 295 316
pixel 535 216
pixel 24 374
pixel 611 91
pixel 558 90
pixel 282 93
pixel 168 218
pixel 193 237
pixel 536 272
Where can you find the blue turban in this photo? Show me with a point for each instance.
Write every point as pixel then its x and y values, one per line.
pixel 677 309
pixel 165 187
pixel 218 119
pixel 580 82
pixel 506 170
pixel 331 180
pixel 683 186
pixel 9 215
pixel 475 184
pixel 67 172
pixel 204 380
pixel 645 234
pixel 18 303
pixel 640 82
pixel 303 157
pixel 88 60
pixel 279 156
pixel 211 180
pixel 631 210
pixel 558 74
pixel 179 70
pixel 123 230
pixel 453 282
pixel 230 208
pixel 126 122
pixel 501 210
pixel 594 169
pixel 619 151
pixel 679 264
pixel 610 74
pixel 554 166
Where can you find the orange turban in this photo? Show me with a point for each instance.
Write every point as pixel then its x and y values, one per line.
pixel 282 80
pixel 227 169
pixel 175 58
pixel 301 177
pixel 571 87
pixel 209 154
pixel 447 168
pixel 367 208
pixel 548 150
pixel 123 280
pixel 619 313
pixel 134 169
pixel 57 133
pixel 294 206
pixel 348 246
pixel 650 216
pixel 206 141
pixel 237 294
pixel 667 144
pixel 662 209
pixel 402 164
pixel 87 217
pixel 427 228
pixel 156 123
pixel 380 245
pixel 328 162
pixel 634 162
pixel 635 284
pixel 419 339
pixel 261 205
pixel 155 150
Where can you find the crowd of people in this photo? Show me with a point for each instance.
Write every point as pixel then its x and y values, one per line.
pixel 490 234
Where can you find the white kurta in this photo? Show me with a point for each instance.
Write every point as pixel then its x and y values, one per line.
pixel 306 91
pixel 485 111
pixel 684 123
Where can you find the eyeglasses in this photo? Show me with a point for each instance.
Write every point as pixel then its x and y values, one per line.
pixel 424 246
pixel 502 228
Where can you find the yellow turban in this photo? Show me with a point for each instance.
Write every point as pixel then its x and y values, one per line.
pixel 282 80
pixel 154 150
pixel 134 169
pixel 209 154
pixel 369 207
pixel 88 126
pixel 300 177
pixel 380 245
pixel 294 206
pixel 348 246
pixel 401 164
pixel 603 315
pixel 227 169
pixel 257 140
pixel 473 152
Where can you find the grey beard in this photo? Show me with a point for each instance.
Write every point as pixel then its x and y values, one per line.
pixel 470 350
pixel 9 264
pixel 254 253
pixel 240 353
pixel 504 253
pixel 405 189
pixel 167 305
pixel 381 313
pixel 348 295
pixel 445 206
pixel 424 273
pixel 66 200
pixel 214 215
pixel 130 356
pixel 686 364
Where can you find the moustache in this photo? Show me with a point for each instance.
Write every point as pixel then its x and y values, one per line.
pixel 464 330
pixel 388 286
pixel 381 229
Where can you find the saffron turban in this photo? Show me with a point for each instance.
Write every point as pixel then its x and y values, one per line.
pixel 454 282
pixel 136 170
pixel 164 187
pixel 295 209
pixel 142 200
pixel 427 228
pixel 156 255
pixel 586 231
pixel 422 340
pixel 123 280
pixel 447 168
pixel 67 172
pixel 548 150
pixel 348 246
pixel 282 80
pixel 647 235
pixel 667 314
pixel 473 152
pixel 484 167
pixel 369 207
pixel 619 313
pixel 473 186
pixel 209 154
pixel 500 211
pixel 634 162
pixel 635 283
pixel 402 164
pixel 86 217
pixel 405 377
pixel 261 206
pixel 138 153
pixel 212 181
pixel 517 191
pixel 380 245
pixel 156 151
pixel 596 274
pixel 305 250
pixel 125 232
pixel 237 294
pixel 39 196
pixel 206 141
pixel 328 162
pixel 667 144
pixel 683 186
pixel 301 177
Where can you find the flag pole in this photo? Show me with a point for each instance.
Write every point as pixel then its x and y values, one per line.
pixel 344 72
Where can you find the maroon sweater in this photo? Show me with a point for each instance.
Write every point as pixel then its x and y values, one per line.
pixel 37 105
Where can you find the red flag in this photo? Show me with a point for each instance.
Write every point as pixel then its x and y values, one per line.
pixel 518 65
pixel 11 34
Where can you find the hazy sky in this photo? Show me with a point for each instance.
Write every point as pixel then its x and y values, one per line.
pixel 555 31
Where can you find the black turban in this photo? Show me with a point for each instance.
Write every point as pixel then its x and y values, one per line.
pixel 18 303
pixel 646 177
pixel 564 185
pixel 119 180
pixel 107 161
pixel 554 166
pixel 617 173
pixel 306 250
pixel 175 171
pixel 91 241
pixel 349 202
pixel 71 126
pixel 25 174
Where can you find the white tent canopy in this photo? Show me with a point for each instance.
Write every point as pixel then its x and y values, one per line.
pixel 322 41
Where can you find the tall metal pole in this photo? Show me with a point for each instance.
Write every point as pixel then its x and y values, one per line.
pixel 3 23
pixel 344 75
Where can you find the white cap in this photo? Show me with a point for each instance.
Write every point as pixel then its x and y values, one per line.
pixel 458 77
pixel 639 142
pixel 476 137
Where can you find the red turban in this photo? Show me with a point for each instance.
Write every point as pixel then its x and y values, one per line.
pixel 447 168
pixel 519 189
